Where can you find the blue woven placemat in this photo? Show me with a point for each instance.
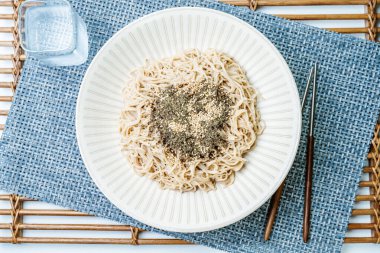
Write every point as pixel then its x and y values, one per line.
pixel 39 157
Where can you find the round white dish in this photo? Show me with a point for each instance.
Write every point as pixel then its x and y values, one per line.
pixel 163 34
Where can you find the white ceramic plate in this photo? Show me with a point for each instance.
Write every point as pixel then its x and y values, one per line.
pixel 163 34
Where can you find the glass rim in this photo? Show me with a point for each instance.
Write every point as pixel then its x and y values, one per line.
pixel 22 26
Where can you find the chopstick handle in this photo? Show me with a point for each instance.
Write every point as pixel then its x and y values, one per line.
pixel 308 186
pixel 272 211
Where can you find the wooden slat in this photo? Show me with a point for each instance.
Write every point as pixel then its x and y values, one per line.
pixel 10 57
pixel 6 3
pixel 7 197
pixel 366 184
pixel 4 226
pixel 350 30
pixel 6 29
pixel 298 2
pixel 6 98
pixel 5 57
pixel 325 16
pixel 360 240
pixel 289 16
pixel 127 228
pixel 129 241
pixel 6 84
pixel 352 226
pixel 356 212
pixel 6 16
pixel 94 241
pixel 3 112
pixel 6 43
pixel 6 70
pixel 365 197
pixel 87 227
pixel 44 212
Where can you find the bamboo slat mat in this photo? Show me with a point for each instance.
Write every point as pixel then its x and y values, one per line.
pixel 18 212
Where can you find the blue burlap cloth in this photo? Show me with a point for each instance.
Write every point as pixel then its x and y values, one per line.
pixel 39 156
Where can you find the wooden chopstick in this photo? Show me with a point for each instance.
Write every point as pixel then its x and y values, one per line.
pixel 308 185
pixel 276 198
pixel 309 163
pixel 272 211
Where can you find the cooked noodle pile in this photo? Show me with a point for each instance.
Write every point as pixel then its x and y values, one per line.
pixel 143 143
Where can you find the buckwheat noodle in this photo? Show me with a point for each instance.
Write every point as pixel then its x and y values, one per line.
pixel 141 143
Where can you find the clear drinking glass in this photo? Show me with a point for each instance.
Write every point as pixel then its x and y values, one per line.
pixel 53 32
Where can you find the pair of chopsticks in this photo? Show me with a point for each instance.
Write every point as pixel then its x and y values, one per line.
pixel 275 200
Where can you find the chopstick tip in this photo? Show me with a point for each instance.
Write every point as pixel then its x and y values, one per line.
pixel 305 235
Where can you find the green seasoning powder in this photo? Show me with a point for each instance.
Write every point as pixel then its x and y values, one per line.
pixel 189 119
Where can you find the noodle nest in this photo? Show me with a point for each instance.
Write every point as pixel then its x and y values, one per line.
pixel 142 144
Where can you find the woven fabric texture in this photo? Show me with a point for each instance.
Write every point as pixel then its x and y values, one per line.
pixel 39 156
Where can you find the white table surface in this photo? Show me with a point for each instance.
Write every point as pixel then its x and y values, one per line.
pixel 42 248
